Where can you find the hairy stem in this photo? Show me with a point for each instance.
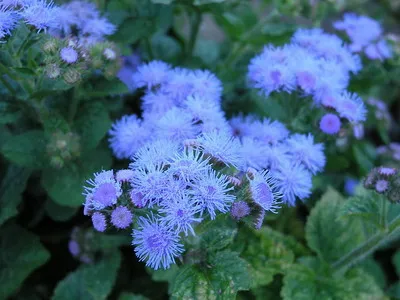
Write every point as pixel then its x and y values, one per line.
pixel 194 30
pixel 369 245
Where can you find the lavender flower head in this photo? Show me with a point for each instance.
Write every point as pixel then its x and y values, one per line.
pixel 74 248
pixel 151 75
pixel 239 210
pixel 121 217
pixel 330 124
pixel 99 222
pixel 69 55
pixel 156 243
pixel 8 21
pixel 41 14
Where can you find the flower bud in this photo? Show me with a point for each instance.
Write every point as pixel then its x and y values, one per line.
pixel 53 71
pixel 72 76
pixel 50 47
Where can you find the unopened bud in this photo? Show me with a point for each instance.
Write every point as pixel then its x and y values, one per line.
pixel 72 76
pixel 50 47
pixel 53 71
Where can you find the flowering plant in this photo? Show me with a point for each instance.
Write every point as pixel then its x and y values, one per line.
pixel 199 149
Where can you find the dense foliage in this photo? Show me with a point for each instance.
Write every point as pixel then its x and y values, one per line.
pixel 199 149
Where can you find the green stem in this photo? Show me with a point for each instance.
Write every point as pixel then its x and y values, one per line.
pixel 194 30
pixel 383 217
pixel 368 246
pixel 7 85
pixel 149 49
pixel 73 105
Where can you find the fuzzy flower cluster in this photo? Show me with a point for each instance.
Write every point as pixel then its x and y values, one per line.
pixel 315 64
pixel 189 163
pixel 77 17
pixel 384 180
pixel 366 35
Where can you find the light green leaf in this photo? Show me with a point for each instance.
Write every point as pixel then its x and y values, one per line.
pixel 26 149
pixel 329 235
pixel 375 270
pixel 365 207
pixel 90 282
pixel 217 237
pixel 21 253
pixel 190 283
pixel 313 282
pixel 12 187
pixel 93 124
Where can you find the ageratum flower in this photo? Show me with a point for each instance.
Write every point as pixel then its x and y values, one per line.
pixel 221 146
pixel 206 85
pixel 156 243
pixel 303 151
pixel 268 131
pixel 351 107
pixel 179 84
pixel 151 75
pixel 157 103
pixel 41 15
pixel 127 135
pixel 239 210
pixel 210 192
pixel 69 55
pixel 180 213
pixel 121 217
pixel 98 28
pixel 102 191
pixel 160 151
pixel 264 190
pixel 294 181
pixel 330 124
pixel 124 175
pixel 99 222
pixel 8 21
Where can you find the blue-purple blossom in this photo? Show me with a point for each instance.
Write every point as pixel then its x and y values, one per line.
pixel 267 131
pixel 74 248
pixel 294 181
pixel 210 192
pixel 351 107
pixel 330 123
pixel 253 153
pixel 350 185
pixel 155 152
pixel 124 175
pixel 99 222
pixel 180 213
pixel 69 55
pixel 381 185
pixel 264 190
pixel 206 85
pixel 127 135
pixel 221 146
pixel 157 103
pixel 102 191
pixel 151 75
pixel 156 243
pixel 8 21
pixel 41 14
pixel 239 210
pixel 121 217
pixel 179 84
pixel 303 151
pixel 98 28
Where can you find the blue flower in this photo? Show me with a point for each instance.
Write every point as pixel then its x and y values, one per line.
pixel 269 132
pixel 330 124
pixel 180 213
pixel 152 74
pixel 98 28
pixel 156 243
pixel 239 210
pixel 294 181
pixel 210 192
pixel 206 85
pixel 121 217
pixel 351 107
pixel 127 135
pixel 102 191
pixel 264 190
pixel 69 55
pixel 253 153
pixel 8 21
pixel 221 146
pixel 155 152
pixel 303 151
pixel 179 84
pixel 99 222
pixel 41 15
pixel 157 103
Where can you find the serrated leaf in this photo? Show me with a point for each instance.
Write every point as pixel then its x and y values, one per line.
pixel 21 253
pixel 90 281
pixel 361 206
pixel 65 186
pixel 26 149
pixel 93 125
pixel 190 283
pixel 217 238
pixel 329 235
pixel 12 187
pixel 307 283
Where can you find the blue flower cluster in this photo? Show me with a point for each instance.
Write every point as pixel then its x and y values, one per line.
pixel 366 35
pixel 316 64
pixel 189 163
pixel 77 17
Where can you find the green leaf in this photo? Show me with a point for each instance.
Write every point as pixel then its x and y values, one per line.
pixel 364 154
pixel 396 262
pixel 26 149
pixel 104 88
pixel 132 30
pixel 93 124
pixel 374 269
pixel 90 281
pixel 365 207
pixel 165 275
pixel 329 235
pixel 21 253
pixel 131 296
pixel 394 290
pixel 7 115
pixel 165 47
pixel 162 1
pixel 218 235
pixel 269 253
pixel 202 2
pixel 227 274
pixel 65 186
pixel 313 283
pixel 11 189
pixel 58 212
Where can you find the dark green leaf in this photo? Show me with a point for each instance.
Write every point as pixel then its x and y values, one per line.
pixel 21 253
pixel 59 213
pixel 131 30
pixel 11 190
pixel 131 296
pixel 90 281
pixel 26 149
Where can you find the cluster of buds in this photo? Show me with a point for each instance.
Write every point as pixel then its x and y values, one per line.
pixel 384 180
pixel 63 147
pixel 390 152
pixel 106 58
